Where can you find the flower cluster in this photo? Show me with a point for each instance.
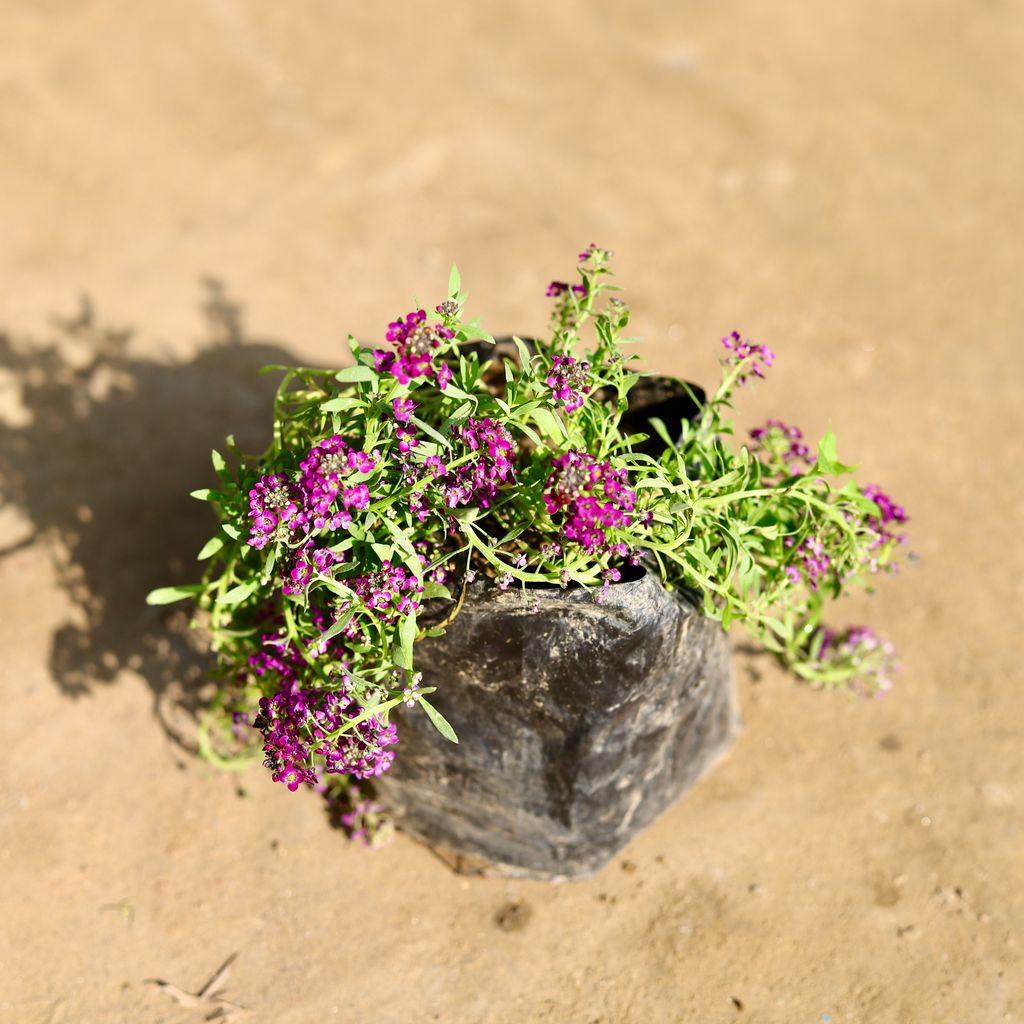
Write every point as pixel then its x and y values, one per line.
pixel 782 447
pixel 752 359
pixel 588 498
pixel 415 340
pixel 274 510
pixel 559 288
pixel 860 651
pixel 307 562
pixel 491 464
pixel 593 251
pixel 365 820
pixel 568 381
pixel 325 473
pixel 390 592
pixel 300 723
pixel 813 561
pixel 886 537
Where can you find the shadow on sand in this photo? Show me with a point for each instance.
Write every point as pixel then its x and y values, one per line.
pixel 99 450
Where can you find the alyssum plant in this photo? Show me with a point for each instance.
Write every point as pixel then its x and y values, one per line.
pixel 391 485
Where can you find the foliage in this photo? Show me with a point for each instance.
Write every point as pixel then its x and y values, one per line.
pixel 392 484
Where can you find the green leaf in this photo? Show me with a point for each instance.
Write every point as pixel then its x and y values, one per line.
pixel 236 595
pixel 211 547
pixel 378 710
pixel 384 552
pixel 232 531
pixel 355 373
pixel 430 431
pixel 525 358
pixel 339 404
pixel 474 330
pixel 220 466
pixel 549 423
pixel 335 628
pixel 440 722
pixel 827 446
pixel 407 635
pixel 168 595
pixel 454 282
pixel 399 657
pixel 453 390
pixel 206 494
pixel 828 460
pixel 431 590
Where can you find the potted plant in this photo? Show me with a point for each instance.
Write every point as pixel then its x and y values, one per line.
pixel 532 547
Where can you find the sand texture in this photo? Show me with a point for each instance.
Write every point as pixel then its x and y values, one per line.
pixel 190 189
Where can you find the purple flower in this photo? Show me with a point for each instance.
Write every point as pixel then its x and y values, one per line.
pixel 754 359
pixel 274 510
pixel 780 447
pixel 324 473
pixel 443 375
pixel 296 722
pixel 403 409
pixel 587 498
pixel 813 561
pixel 859 649
pixel 308 561
pixel 568 381
pixel 389 592
pixel 415 340
pixel 476 482
pixel 407 438
pixel 886 537
pixel 366 822
pixel 559 288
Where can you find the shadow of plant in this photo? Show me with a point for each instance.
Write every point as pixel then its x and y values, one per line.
pixel 99 449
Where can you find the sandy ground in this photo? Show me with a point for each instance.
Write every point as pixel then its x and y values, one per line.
pixel 235 182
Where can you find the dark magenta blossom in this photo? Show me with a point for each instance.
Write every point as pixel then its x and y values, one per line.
pixel 871 657
pixel 568 381
pixel 782 447
pixel 415 340
pixel 477 481
pixel 403 408
pixel 890 516
pixel 275 510
pixel 811 561
pixel 325 478
pixel 307 562
pixel 588 498
pixel 559 288
pixel 407 438
pixel 754 359
pixel 389 592
pixel 297 724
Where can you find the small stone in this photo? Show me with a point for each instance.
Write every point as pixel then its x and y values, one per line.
pixel 513 917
